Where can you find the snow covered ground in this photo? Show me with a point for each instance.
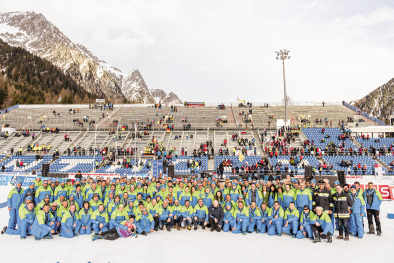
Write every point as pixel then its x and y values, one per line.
pixel 198 246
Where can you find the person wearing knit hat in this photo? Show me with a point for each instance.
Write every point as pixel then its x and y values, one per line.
pixel 228 218
pixel 356 226
pixel 119 215
pixel 42 191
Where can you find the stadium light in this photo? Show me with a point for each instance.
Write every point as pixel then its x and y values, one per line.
pixel 282 55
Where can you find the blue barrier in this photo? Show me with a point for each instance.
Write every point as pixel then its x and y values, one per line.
pixel 366 115
pixel 10 109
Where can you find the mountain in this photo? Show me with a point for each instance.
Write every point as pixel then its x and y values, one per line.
pixel 162 97
pixel 39 36
pixel 380 102
pixel 29 79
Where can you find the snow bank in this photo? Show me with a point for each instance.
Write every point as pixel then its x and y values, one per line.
pixel 198 246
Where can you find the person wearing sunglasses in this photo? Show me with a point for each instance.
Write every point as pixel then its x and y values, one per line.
pixel 144 222
pixel 53 211
pixel 306 220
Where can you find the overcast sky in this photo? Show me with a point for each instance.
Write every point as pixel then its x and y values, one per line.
pixel 218 50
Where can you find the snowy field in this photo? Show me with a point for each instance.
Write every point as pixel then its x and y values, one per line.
pixel 198 246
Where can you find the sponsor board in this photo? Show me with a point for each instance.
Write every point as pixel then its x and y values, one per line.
pixel 105 175
pixel 8 180
pixel 194 104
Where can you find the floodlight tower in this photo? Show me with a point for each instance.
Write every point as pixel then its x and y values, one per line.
pixel 282 55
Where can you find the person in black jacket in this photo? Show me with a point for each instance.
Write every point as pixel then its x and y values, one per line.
pixel 221 169
pixel 342 202
pixel 215 215
pixel 322 197
pixel 78 175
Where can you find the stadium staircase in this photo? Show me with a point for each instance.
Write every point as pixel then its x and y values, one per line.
pixel 114 114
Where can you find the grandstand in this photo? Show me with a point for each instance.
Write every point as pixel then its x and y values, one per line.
pixel 118 169
pixel 363 160
pixel 298 168
pixel 30 163
pixel 87 128
pixel 377 143
pixel 249 160
pixel 315 135
pixel 74 164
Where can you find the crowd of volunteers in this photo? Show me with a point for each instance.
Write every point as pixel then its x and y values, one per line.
pixel 121 207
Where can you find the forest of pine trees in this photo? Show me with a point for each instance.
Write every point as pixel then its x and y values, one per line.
pixel 28 79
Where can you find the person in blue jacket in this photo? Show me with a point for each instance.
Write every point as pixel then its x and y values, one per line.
pixel 43 224
pixel 228 219
pixel 14 200
pixel 241 215
pixel 165 216
pixel 200 215
pixel 84 215
pixel 27 214
pixel 303 197
pixel 254 195
pixel 321 226
pixel 118 216
pixel 234 192
pixel 373 200
pixel 357 213
pixel 78 195
pixel 187 215
pixel 254 218
pixel 275 220
pixel 100 219
pixel 264 209
pixel 57 220
pixel 291 220
pixel 145 222
pixel 306 221
pixel 30 191
pixel 70 223
pixel 42 191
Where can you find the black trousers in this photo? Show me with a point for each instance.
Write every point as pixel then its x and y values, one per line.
pixel 111 234
pixel 156 219
pixel 214 225
pixel 375 214
pixel 317 230
pixel 342 224
pixel 178 220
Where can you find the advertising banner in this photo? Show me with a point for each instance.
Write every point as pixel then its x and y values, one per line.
pixel 194 104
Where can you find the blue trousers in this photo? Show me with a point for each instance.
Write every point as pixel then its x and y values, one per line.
pixel 13 218
pixel 55 227
pixel 86 231
pixel 333 220
pixel 291 228
pixel 254 223
pixel 113 223
pixel 357 227
pixel 43 233
pixel 263 226
pixel 241 226
pixel 228 226
pixel 141 229
pixel 275 228
pixel 69 233
pixel 97 229
pixel 307 229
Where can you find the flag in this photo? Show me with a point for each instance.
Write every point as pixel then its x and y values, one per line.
pixel 241 157
pixel 60 99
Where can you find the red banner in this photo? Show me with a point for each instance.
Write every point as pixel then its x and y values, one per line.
pixel 386 190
